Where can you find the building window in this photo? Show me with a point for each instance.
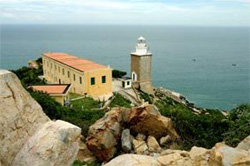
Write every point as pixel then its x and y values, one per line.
pixel 51 65
pixel 68 74
pixel 80 78
pixel 63 71
pixel 58 69
pixel 74 77
pixel 48 64
pixel 103 79
pixel 128 83
pixel 92 80
pixel 55 67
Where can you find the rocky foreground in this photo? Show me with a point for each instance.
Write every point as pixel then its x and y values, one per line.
pixel 219 155
pixel 27 135
pixel 139 135
pixel 123 137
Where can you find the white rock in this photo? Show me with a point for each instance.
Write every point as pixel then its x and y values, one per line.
pixel 165 140
pixel 55 144
pixel 133 160
pixel 153 145
pixel 21 120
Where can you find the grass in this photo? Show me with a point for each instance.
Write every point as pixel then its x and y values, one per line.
pixel 86 103
pixel 120 101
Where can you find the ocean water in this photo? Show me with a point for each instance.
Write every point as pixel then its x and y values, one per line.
pixel 211 81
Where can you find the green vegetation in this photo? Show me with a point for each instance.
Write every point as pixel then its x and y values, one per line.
pixel 118 73
pixel 81 118
pixel 239 119
pixel 203 129
pixel 195 129
pixel 29 76
pixel 120 101
pixel 85 103
pixel 79 163
pixel 146 97
pixel 208 127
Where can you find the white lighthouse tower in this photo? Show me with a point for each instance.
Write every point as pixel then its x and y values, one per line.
pixel 141 66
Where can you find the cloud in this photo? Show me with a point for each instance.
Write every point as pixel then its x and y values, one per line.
pixel 126 12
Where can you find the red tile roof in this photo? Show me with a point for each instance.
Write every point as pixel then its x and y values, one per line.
pixel 52 88
pixel 75 62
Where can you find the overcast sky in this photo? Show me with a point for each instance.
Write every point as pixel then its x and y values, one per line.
pixel 139 12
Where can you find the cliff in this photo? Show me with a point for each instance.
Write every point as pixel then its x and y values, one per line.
pixel 27 135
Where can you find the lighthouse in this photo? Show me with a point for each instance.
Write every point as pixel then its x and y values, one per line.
pixel 141 66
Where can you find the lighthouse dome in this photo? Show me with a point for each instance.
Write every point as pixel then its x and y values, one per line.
pixel 141 39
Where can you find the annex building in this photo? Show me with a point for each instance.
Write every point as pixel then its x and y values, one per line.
pixel 85 77
pixel 58 92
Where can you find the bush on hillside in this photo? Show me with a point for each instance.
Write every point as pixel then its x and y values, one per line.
pixel 203 130
pixel 29 76
pixel 239 125
pixel 54 110
pixel 118 73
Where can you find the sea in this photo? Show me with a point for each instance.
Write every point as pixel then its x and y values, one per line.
pixel 210 66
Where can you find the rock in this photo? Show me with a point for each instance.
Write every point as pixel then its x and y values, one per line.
pixel 104 135
pixel 148 121
pixel 84 155
pixel 245 144
pixel 22 119
pixel 171 151
pixel 199 156
pixel 54 144
pixel 133 160
pixel 222 154
pixel 126 140
pixel 153 145
pixel 165 140
pixel 175 159
pixel 140 137
pixel 140 147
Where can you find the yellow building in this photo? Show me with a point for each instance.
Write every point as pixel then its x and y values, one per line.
pixel 58 92
pixel 85 77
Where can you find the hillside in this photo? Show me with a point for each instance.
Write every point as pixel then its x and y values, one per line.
pixel 203 129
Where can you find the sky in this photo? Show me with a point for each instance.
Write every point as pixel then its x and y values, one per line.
pixel 127 12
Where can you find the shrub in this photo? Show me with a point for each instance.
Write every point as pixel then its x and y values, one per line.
pixel 239 125
pixel 203 130
pixel 118 73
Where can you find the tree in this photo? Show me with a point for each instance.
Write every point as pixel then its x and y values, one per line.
pixel 118 73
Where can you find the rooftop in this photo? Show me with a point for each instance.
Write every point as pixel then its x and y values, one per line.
pixel 75 62
pixel 52 88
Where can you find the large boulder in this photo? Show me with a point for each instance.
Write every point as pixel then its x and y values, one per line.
pixel 148 121
pixel 222 154
pixel 199 156
pixel 22 119
pixel 245 144
pixel 105 134
pixel 56 143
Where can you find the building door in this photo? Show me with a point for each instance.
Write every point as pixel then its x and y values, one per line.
pixel 59 81
pixel 134 76
pixel 123 84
